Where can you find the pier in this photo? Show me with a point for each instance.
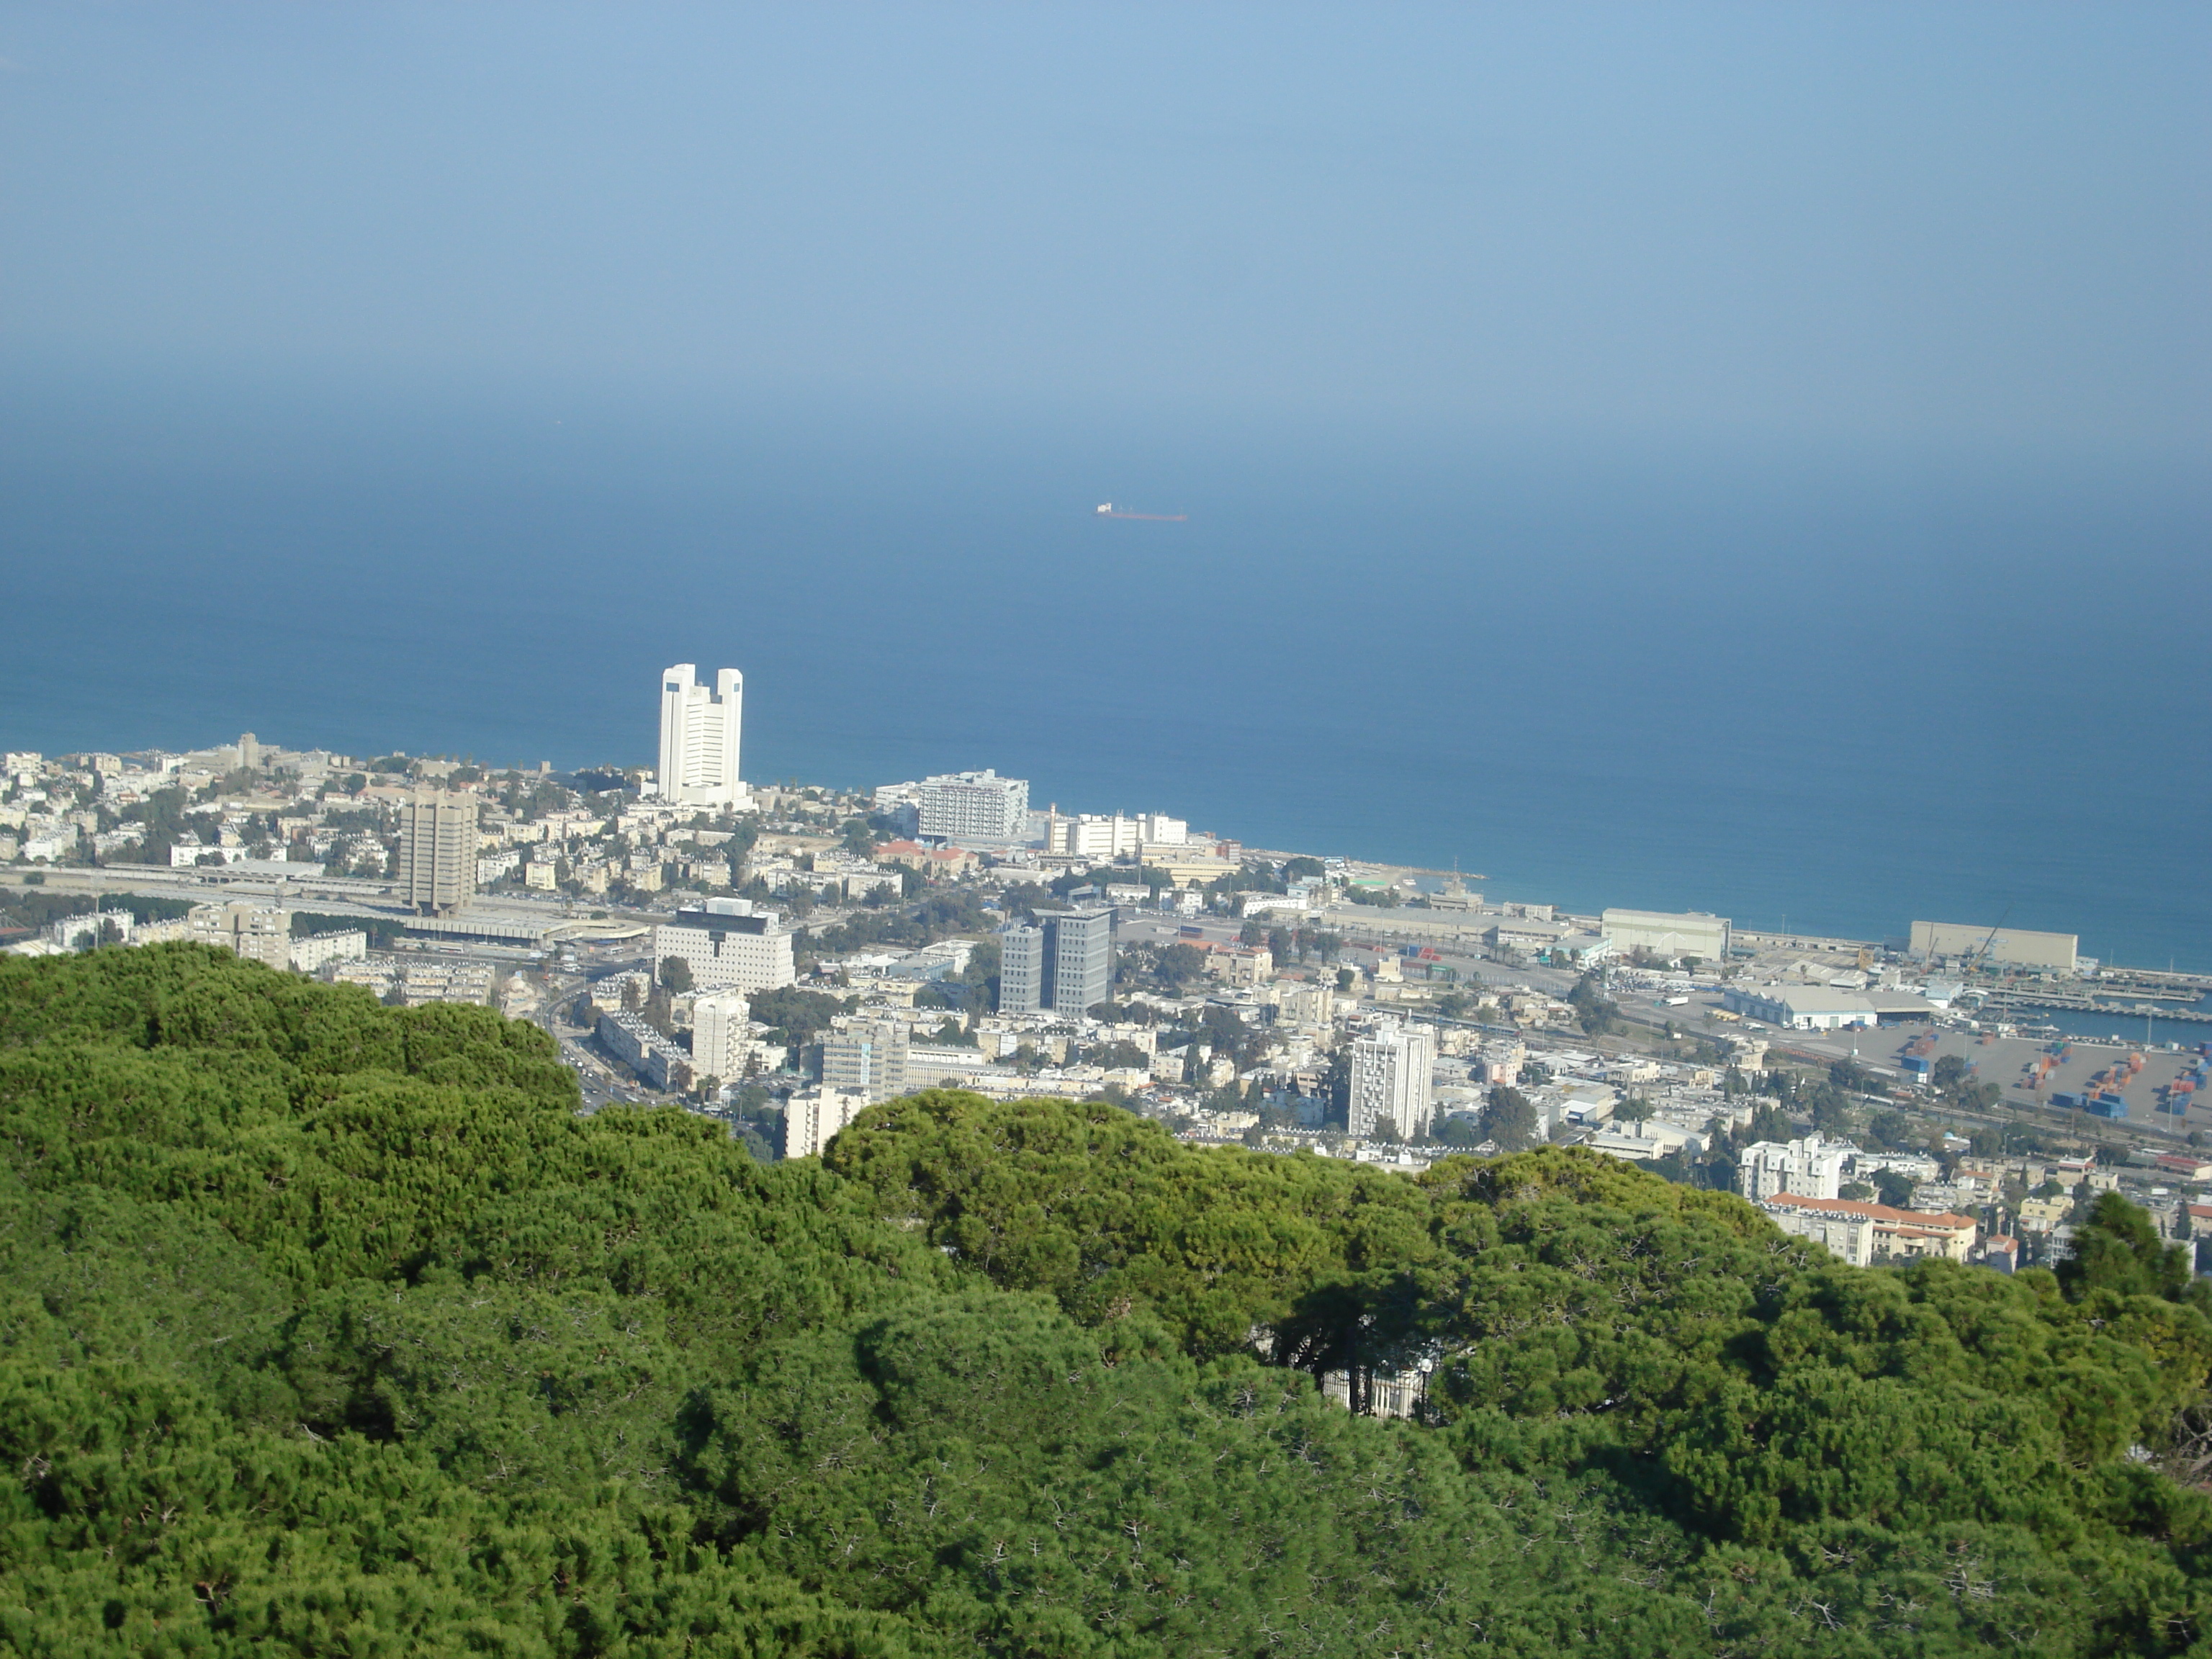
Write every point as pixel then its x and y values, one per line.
pixel 2004 1001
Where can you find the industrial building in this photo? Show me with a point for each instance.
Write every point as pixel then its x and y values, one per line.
pixel 1801 1008
pixel 437 850
pixel 1667 935
pixel 1065 963
pixel 1393 1073
pixel 728 946
pixel 1519 934
pixel 2012 947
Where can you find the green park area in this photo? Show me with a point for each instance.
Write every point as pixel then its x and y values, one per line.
pixel 335 1329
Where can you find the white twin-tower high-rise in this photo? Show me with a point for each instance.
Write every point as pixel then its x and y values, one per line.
pixel 699 729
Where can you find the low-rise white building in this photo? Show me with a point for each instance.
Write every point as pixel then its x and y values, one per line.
pixel 645 1051
pixel 1914 1166
pixel 1639 1142
pixel 83 932
pixel 316 952
pixel 1863 1233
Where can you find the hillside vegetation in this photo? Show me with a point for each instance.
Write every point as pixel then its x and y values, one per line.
pixel 332 1329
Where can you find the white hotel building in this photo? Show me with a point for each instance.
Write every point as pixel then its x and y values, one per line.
pixel 699 728
pixel 975 809
pixel 728 947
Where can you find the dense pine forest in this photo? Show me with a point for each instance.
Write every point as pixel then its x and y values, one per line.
pixel 332 1327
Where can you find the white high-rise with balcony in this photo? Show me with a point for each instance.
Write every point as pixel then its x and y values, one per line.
pixel 1393 1073
pixel 699 731
pixel 975 809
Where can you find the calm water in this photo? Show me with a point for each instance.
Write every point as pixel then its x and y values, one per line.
pixel 2156 1032
pixel 1841 692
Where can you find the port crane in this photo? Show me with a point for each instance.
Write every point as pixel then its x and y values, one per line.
pixel 1982 951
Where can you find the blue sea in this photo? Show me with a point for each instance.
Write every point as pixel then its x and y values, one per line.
pixel 1824 689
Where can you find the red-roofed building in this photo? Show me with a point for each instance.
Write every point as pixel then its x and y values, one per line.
pixel 1863 1233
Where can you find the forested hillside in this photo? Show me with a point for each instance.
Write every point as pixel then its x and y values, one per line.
pixel 332 1327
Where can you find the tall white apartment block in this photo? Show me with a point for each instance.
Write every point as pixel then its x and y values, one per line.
pixel 1811 1168
pixel 811 1116
pixel 721 1034
pixel 699 727
pixel 1392 1072
pixel 978 808
pixel 728 947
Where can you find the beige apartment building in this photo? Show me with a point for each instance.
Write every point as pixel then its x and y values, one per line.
pixel 437 850
pixel 259 932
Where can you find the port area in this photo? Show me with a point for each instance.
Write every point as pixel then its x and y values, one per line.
pixel 2079 1069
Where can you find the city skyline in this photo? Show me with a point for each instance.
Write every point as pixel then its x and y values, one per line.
pixel 1417 863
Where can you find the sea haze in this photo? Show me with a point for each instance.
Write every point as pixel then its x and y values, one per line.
pixel 1839 689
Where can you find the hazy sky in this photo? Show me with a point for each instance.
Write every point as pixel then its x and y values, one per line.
pixel 1982 224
